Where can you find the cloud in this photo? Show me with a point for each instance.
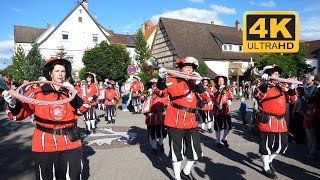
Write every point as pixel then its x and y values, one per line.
pixel 191 14
pixel 196 1
pixel 308 30
pixel 223 9
pixel 270 3
pixel 311 8
pixel 5 49
pixel 16 9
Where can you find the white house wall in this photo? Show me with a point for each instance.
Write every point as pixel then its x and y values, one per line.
pixel 151 38
pixel 314 63
pixel 80 37
pixel 219 67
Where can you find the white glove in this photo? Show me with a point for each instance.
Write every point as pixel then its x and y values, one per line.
pixel 265 76
pixel 67 84
pixel 9 99
pixel 229 102
pixel 292 86
pixel 163 73
pixel 222 86
pixel 197 75
pixel 90 98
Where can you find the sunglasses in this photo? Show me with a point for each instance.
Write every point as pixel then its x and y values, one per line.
pixel 89 77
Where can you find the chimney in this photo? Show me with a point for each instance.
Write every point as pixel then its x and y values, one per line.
pixel 238 25
pixel 48 25
pixel 212 22
pixel 85 4
pixel 143 28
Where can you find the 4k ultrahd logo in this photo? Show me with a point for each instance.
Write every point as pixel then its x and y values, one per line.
pixel 271 31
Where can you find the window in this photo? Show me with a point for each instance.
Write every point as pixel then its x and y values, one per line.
pixel 130 40
pixel 240 48
pixel 65 36
pixel 80 19
pixel 224 47
pixel 94 38
pixel 230 47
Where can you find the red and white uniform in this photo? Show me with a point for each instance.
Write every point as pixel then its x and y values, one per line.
pixel 159 101
pixel 136 87
pixel 55 116
pixel 273 102
pixel 221 101
pixel 91 90
pixel 182 93
pixel 209 95
pixel 111 96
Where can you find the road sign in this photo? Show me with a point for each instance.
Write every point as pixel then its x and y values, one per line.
pixel 132 69
pixel 271 31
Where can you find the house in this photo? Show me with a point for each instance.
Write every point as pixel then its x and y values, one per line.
pixel 149 31
pixel 219 47
pixel 313 54
pixel 77 32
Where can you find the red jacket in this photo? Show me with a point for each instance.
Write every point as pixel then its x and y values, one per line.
pixel 158 102
pixel 181 93
pixel 111 96
pixel 209 95
pixel 137 88
pixel 91 90
pixel 58 116
pixel 221 106
pixel 273 102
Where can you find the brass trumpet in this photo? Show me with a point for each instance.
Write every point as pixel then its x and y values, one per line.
pixel 152 62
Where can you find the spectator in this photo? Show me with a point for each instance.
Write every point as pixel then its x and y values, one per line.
pixel 309 123
pixel 298 113
pixel 311 87
pixel 243 110
pixel 125 97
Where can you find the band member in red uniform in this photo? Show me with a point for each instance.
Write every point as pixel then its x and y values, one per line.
pixel 223 119
pixel 271 98
pixel 56 144
pixel 206 111
pixel 157 101
pixel 136 88
pixel 111 97
pixel 91 92
pixel 184 136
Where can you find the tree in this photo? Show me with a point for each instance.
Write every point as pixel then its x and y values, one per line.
pixel 18 63
pixel 62 52
pixel 291 63
pixel 34 64
pixel 107 61
pixel 142 50
pixel 82 71
pixel 202 69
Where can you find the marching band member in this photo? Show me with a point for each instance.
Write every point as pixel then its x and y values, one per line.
pixel 111 97
pixel 184 136
pixel 157 101
pixel 206 112
pixel 271 99
pixel 91 92
pixel 136 87
pixel 223 102
pixel 56 144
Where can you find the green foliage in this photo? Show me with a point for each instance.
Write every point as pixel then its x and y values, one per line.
pixel 61 53
pixel 82 72
pixel 142 50
pixel 291 63
pixel 107 61
pixel 18 63
pixel 202 69
pixel 8 71
pixel 34 64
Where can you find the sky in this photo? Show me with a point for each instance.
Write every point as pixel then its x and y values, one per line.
pixel 128 15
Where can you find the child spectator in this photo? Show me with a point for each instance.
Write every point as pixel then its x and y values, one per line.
pixel 243 110
pixel 309 124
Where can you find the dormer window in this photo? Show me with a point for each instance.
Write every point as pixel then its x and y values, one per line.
pixel 65 36
pixel 80 19
pixel 240 48
pixel 224 47
pixel 230 47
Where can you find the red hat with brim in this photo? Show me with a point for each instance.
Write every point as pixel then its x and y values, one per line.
pixel 47 68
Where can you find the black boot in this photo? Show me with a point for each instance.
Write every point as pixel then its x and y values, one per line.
pixel 225 143
pixel 210 130
pixel 87 132
pixel 113 121
pixel 184 176
pixel 269 174
pixel 108 122
pixel 94 130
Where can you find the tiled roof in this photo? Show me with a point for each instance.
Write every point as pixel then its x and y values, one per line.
pixel 25 34
pixel 150 31
pixel 198 40
pixel 313 49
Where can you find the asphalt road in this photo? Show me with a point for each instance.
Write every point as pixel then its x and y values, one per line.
pixel 121 151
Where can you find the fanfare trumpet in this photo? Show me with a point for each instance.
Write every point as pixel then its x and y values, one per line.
pixel 152 62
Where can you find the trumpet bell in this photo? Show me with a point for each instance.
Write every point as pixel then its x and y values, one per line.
pixel 152 62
